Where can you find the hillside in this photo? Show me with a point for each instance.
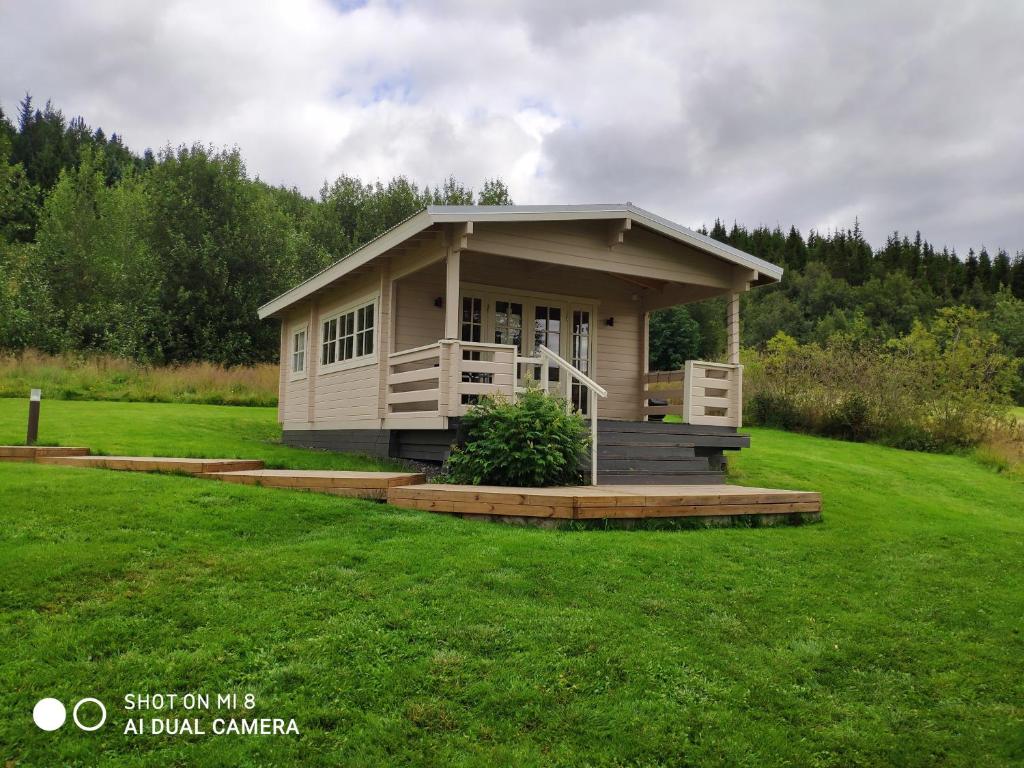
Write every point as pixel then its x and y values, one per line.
pixel 888 634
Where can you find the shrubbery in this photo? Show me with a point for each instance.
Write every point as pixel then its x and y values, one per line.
pixel 531 443
pixel 943 386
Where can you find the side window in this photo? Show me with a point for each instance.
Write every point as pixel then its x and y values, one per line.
pixel 299 351
pixel 328 342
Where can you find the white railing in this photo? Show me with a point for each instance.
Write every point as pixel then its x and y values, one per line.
pixel 414 382
pixel 545 357
pixel 702 393
pixel 713 394
pixel 444 378
pixel 481 369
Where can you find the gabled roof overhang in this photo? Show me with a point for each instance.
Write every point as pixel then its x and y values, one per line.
pixel 766 272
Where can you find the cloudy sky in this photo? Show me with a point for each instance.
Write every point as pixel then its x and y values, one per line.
pixel 906 115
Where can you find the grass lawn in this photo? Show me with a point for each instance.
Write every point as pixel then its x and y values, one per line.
pixel 890 634
pixel 170 429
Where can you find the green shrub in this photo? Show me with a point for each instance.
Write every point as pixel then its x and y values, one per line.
pixel 944 386
pixel 530 443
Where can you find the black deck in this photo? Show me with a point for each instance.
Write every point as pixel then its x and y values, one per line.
pixel 629 452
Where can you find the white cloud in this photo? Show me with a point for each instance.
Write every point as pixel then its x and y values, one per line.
pixel 797 112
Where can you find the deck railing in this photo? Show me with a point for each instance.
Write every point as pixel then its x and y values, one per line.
pixel 702 393
pixel 444 378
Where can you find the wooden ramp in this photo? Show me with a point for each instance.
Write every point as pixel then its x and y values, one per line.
pixel 35 452
pixel 154 463
pixel 363 485
pixel 603 502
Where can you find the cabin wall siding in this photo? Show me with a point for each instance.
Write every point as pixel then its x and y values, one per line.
pixel 349 395
pixel 293 400
pixel 417 320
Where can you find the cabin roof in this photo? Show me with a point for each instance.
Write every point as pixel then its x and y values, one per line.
pixel 455 214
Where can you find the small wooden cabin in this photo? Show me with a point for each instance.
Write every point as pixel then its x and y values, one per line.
pixel 382 352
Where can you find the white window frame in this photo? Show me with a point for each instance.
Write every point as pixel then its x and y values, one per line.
pixel 338 314
pixel 292 351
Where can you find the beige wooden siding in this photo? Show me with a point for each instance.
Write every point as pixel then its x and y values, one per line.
pixel 294 397
pixel 417 320
pixel 348 398
pixel 342 398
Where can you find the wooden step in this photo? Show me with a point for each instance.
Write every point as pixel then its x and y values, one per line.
pixel 652 451
pixel 673 428
pixel 643 438
pixel 666 464
pixel 34 452
pixel 363 485
pixel 648 431
pixel 636 477
pixel 154 463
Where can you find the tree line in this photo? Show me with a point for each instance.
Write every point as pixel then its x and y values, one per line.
pixel 164 257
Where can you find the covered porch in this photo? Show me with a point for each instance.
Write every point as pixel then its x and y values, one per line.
pixel 474 323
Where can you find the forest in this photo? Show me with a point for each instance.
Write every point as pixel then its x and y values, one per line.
pixel 163 257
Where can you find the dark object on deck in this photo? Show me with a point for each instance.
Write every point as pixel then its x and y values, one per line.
pixel 654 403
pixel 33 416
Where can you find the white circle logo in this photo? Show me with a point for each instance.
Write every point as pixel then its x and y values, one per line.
pixel 103 714
pixel 49 714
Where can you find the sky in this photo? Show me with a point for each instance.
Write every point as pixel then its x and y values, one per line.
pixel 905 115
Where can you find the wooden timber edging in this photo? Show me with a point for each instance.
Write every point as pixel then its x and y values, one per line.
pixel 605 502
pixel 627 504
pixel 363 485
pixel 187 466
pixel 34 452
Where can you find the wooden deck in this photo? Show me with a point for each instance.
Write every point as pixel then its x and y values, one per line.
pixel 363 485
pixel 603 502
pixel 541 506
pixel 154 463
pixel 34 452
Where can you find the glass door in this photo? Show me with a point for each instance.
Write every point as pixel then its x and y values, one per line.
pixel 547 330
pixel 579 355
pixel 472 330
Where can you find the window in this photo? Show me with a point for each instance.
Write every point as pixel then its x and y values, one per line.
pixel 348 335
pixel 580 356
pixel 472 319
pixel 508 323
pixel 547 330
pixel 299 351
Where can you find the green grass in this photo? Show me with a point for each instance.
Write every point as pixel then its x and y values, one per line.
pixel 889 634
pixel 170 429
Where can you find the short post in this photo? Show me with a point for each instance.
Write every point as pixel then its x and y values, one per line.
pixel 33 416
pixel 593 436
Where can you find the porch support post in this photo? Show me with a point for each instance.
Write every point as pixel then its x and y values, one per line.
pixel 451 298
pixel 734 328
pixel 645 360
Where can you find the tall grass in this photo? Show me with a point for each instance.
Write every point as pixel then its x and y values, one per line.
pixel 103 377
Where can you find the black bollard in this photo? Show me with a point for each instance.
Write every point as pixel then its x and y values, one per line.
pixel 33 416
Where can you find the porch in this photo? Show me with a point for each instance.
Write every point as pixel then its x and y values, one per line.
pixel 429 384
